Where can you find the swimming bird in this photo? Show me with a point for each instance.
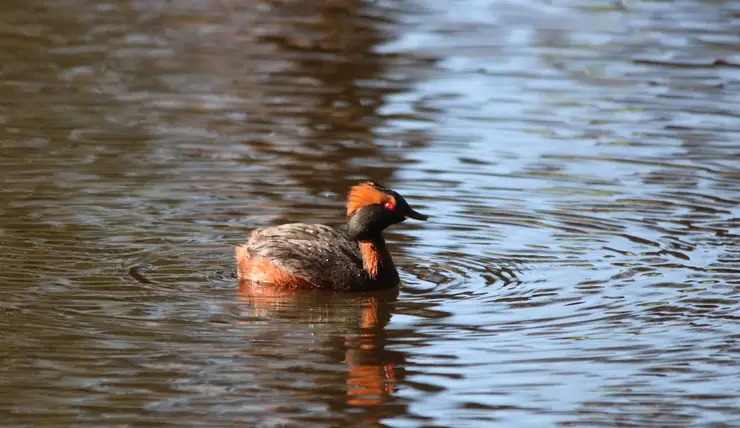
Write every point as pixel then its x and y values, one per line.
pixel 313 256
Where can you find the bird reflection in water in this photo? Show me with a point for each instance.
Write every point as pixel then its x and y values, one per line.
pixel 353 327
pixel 370 378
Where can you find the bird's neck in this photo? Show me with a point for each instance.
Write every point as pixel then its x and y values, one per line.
pixel 378 262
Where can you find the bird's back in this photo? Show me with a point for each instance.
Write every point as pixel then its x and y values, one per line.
pixel 300 254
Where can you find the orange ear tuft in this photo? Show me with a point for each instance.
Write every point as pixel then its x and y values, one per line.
pixel 362 195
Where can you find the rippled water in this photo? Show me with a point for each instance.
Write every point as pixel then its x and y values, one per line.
pixel 580 161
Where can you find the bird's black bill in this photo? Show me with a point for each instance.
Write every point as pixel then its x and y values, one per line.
pixel 416 216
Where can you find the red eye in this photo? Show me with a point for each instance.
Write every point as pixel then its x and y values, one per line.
pixel 390 205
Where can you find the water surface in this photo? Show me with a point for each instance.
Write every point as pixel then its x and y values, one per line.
pixel 579 160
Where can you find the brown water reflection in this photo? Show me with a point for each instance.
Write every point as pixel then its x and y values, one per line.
pixel 371 373
pixel 581 268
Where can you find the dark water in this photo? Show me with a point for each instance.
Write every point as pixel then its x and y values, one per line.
pixel 580 161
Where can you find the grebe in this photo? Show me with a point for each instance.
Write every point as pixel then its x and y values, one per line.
pixel 313 256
